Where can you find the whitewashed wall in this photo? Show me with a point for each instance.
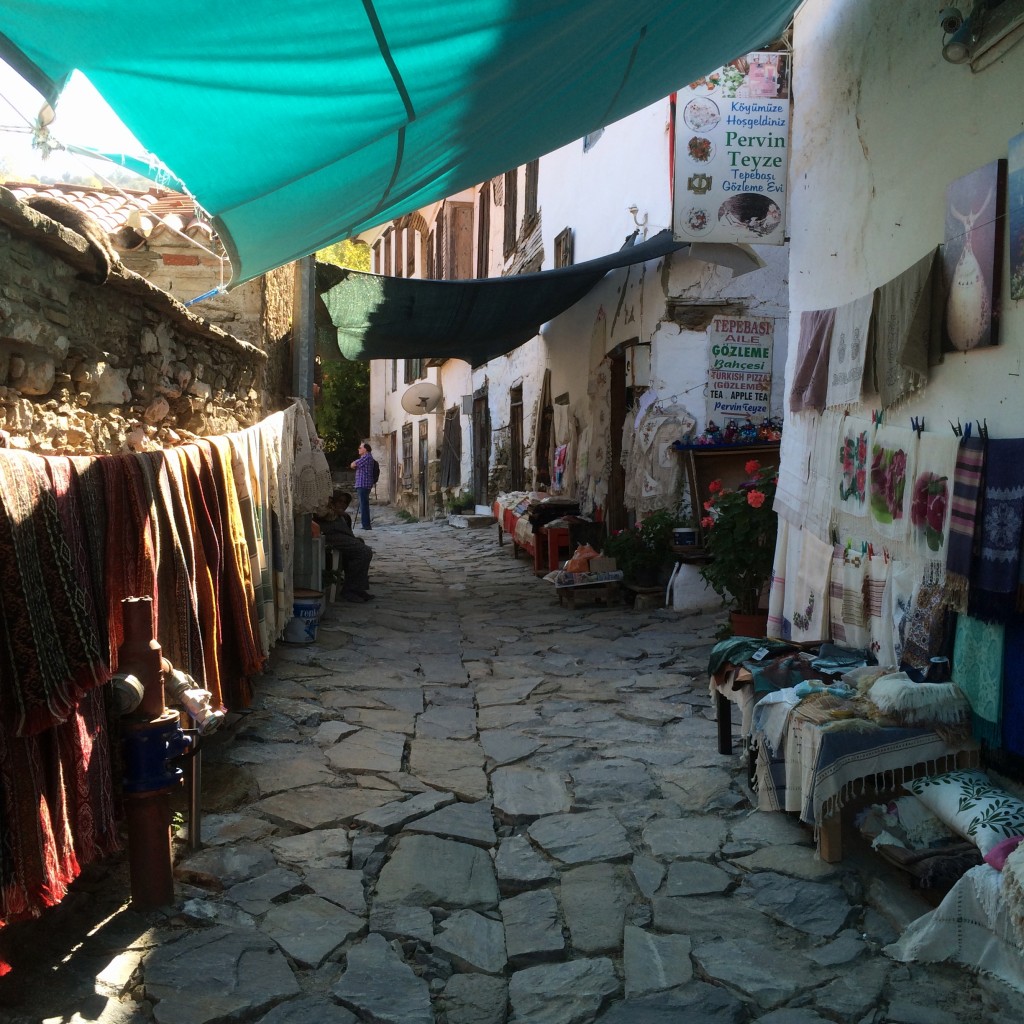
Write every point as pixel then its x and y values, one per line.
pixel 882 124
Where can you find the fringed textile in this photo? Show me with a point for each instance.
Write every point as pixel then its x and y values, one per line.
pixel 993 589
pixel 795 467
pixel 1013 893
pixel 905 331
pixel 50 650
pixel 811 589
pixel 848 352
pixel 810 378
pixel 893 458
pixel 901 595
pixel 978 670
pixel 851 491
pixel 849 597
pixel 931 500
pixel 777 589
pixel 879 608
pixel 920 704
pixel 963 522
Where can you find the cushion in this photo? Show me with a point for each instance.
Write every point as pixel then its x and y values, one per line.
pixel 998 854
pixel 970 804
pixel 919 704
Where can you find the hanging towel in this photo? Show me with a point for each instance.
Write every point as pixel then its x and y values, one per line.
pixel 931 500
pixel 964 517
pixel 810 607
pixel 901 594
pixel 879 608
pixel 905 331
pixel 777 589
pixel 50 650
pixel 823 473
pixel 810 379
pixel 978 671
pixel 795 466
pixel 851 493
pixel 993 590
pixel 893 456
pixel 848 352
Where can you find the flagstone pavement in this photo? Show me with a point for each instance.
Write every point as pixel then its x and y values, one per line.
pixel 465 804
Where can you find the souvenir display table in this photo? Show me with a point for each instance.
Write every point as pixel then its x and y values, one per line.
pixel 814 768
pixel 525 518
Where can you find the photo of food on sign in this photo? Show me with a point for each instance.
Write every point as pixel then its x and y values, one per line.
pixel 701 114
pixel 700 149
pixel 753 211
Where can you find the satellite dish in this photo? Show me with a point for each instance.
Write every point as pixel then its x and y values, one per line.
pixel 421 398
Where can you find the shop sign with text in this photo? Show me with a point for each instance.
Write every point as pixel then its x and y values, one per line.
pixel 740 368
pixel 732 153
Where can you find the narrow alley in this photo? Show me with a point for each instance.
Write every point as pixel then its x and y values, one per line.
pixel 465 804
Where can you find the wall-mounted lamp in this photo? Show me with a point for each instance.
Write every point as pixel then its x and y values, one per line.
pixel 641 224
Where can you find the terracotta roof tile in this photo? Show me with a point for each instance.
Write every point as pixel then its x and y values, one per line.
pixel 129 216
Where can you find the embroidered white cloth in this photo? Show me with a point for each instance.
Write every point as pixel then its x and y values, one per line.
pixel 847 354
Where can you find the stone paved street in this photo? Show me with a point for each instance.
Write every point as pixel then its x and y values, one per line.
pixel 465 804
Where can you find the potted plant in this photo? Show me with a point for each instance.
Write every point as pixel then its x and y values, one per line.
pixel 739 536
pixel 644 551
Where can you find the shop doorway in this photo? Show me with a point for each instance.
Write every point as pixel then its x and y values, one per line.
pixel 517 449
pixel 423 452
pixel 630 378
pixel 392 464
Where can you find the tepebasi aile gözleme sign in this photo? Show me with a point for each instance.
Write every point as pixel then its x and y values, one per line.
pixel 732 153
pixel 739 368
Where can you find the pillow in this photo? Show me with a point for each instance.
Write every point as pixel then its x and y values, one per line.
pixel 970 804
pixel 996 857
pixel 919 704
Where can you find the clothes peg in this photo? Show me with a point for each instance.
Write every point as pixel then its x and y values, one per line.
pixel 983 429
pixel 967 428
pixel 917 424
pixel 958 430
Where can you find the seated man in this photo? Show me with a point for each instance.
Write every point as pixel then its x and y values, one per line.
pixel 356 554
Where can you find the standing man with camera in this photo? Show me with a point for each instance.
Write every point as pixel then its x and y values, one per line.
pixel 363 466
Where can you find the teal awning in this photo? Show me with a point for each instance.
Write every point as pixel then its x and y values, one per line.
pixel 405 318
pixel 298 124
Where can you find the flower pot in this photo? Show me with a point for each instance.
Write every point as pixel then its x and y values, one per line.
pixel 749 625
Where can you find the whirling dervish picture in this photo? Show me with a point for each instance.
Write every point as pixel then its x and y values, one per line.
pixel 972 258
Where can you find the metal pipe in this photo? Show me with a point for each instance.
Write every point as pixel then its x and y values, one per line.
pixel 195 778
pixel 139 654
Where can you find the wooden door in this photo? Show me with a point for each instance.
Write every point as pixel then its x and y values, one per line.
pixel 424 463
pixel 481 448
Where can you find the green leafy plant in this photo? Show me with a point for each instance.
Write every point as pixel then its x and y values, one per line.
pixel 405 516
pixel 645 547
pixel 739 534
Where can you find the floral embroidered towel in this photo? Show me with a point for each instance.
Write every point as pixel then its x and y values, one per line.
pixel 847 353
pixel 931 497
pixel 893 457
pixel 854 446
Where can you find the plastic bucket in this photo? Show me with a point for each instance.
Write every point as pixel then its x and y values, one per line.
pixel 302 627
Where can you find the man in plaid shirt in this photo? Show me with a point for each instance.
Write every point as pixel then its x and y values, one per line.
pixel 363 466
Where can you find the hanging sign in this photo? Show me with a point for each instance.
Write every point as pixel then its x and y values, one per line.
pixel 739 368
pixel 732 153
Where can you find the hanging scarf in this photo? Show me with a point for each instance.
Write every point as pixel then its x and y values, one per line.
pixel 994 582
pixel 810 379
pixel 822 478
pixel 905 331
pixel 931 500
pixel 852 489
pixel 893 455
pixel 1013 689
pixel 963 520
pixel 978 671
pixel 50 651
pixel 811 587
pixel 848 352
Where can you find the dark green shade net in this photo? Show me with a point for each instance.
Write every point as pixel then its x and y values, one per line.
pixel 477 320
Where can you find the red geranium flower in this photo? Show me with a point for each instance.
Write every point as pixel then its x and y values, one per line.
pixel 706 523
pixel 755 499
pixel 715 486
pixel 752 467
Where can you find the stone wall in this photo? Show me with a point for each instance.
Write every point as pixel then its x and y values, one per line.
pixel 88 368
